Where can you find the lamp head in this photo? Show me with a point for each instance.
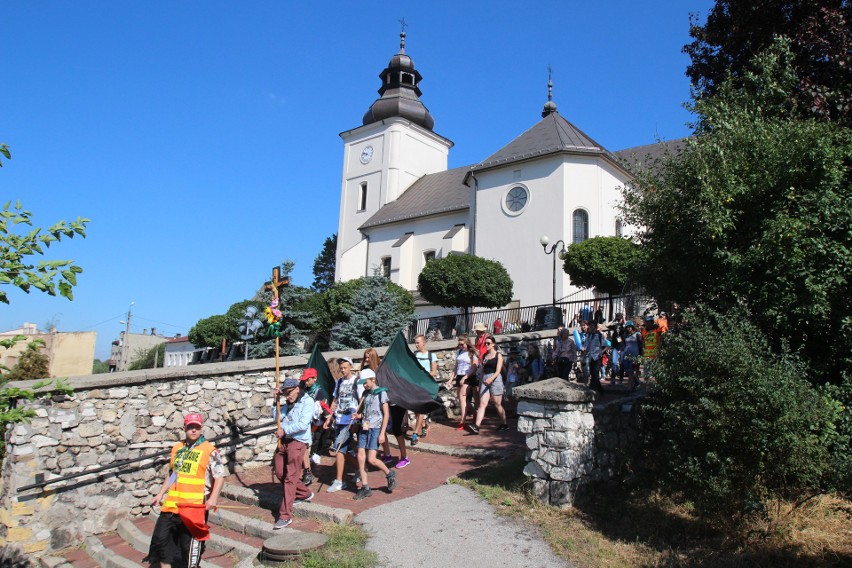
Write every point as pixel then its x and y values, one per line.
pixel 544 240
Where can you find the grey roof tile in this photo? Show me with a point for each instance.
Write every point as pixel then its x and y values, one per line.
pixel 549 135
pixel 440 192
pixel 650 156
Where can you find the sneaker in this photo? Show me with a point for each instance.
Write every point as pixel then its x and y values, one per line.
pixel 387 458
pixel 402 463
pixel 336 486
pixel 282 523
pixel 391 477
pixel 307 477
pixel 502 427
pixel 307 499
pixel 473 428
pixel 414 439
pixel 460 426
pixel 316 459
pixel 363 493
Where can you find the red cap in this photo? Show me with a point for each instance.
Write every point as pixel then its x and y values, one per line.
pixel 193 418
pixel 309 373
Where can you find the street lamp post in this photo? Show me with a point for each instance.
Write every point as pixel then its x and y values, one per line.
pixel 544 240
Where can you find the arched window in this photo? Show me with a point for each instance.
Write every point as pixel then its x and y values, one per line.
pixel 580 222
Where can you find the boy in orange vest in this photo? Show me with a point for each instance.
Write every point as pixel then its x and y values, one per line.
pixel 195 478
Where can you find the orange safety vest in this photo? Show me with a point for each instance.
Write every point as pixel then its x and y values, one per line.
pixel 652 343
pixel 189 487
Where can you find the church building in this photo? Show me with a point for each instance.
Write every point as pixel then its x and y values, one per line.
pixel 400 206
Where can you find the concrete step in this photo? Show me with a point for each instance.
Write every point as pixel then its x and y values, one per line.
pixel 271 501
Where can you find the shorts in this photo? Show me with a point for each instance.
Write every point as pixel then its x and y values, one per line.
pixel 342 437
pixel 398 418
pixel 495 388
pixel 369 439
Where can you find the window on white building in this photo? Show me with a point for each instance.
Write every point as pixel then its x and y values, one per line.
pixel 386 266
pixel 580 222
pixel 428 255
pixel 362 197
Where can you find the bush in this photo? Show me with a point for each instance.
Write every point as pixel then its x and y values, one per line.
pixel 740 426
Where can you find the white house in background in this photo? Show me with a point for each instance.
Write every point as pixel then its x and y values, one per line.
pixel 181 352
pixel 400 206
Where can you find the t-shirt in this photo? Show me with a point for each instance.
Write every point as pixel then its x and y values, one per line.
pixel 463 362
pixel 347 399
pixel 373 407
pixel 426 360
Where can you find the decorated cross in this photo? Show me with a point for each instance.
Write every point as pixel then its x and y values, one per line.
pixel 273 316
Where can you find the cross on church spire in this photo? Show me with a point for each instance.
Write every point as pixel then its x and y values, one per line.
pixel 402 36
pixel 549 106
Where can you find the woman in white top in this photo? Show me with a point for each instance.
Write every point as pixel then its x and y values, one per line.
pixel 467 360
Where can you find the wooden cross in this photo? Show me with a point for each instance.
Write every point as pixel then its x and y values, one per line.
pixel 275 286
pixel 277 282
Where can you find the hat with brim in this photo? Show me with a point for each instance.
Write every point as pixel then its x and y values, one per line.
pixel 193 418
pixel 479 326
pixel 309 373
pixel 290 383
pixel 344 360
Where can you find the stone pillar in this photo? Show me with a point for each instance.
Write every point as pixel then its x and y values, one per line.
pixel 557 418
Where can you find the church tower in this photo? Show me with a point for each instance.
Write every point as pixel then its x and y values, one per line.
pixel 394 147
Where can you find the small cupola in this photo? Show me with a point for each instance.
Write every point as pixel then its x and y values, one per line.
pixel 400 92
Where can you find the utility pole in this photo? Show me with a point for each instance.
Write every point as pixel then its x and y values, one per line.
pixel 125 348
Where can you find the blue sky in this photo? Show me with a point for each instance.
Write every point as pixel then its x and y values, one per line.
pixel 201 138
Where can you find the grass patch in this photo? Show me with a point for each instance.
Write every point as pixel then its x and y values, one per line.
pixel 344 549
pixel 619 527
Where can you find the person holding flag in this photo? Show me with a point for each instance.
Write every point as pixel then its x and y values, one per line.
pixel 195 477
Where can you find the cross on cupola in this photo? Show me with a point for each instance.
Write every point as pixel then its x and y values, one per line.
pixel 549 106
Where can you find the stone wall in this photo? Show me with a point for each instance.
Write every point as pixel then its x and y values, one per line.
pixel 572 442
pixel 122 416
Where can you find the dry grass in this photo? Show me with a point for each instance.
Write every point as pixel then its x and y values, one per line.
pixel 617 528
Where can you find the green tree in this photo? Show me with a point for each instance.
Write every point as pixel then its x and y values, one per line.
pixel 32 364
pixel 373 316
pixel 465 281
pixel 325 264
pixel 605 263
pixel 754 212
pixel 16 250
pixel 329 308
pixel 820 39
pixel 99 367
pixel 209 332
pixel 737 426
pixel 145 358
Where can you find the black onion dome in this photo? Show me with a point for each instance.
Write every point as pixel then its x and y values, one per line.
pixel 400 92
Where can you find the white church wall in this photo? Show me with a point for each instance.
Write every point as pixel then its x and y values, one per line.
pixel 513 238
pixel 408 260
pixel 353 262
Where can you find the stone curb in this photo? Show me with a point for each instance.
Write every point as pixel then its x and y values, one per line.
pixel 104 557
pixel 54 562
pixel 242 524
pixel 227 545
pixel 267 500
pixel 133 536
pixel 456 451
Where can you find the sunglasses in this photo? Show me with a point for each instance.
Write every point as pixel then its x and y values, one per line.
pixel 489 343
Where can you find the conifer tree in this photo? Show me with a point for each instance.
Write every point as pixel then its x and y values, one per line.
pixel 374 317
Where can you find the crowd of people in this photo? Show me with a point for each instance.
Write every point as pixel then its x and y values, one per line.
pixel 354 428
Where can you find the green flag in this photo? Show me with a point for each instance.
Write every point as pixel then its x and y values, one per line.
pixel 324 378
pixel 408 384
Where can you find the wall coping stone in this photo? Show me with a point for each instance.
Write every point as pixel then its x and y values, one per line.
pixel 555 389
pixel 127 378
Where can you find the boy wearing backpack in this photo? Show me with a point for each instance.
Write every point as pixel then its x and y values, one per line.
pixel 374 417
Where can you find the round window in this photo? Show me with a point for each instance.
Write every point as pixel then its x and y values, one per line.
pixel 516 199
